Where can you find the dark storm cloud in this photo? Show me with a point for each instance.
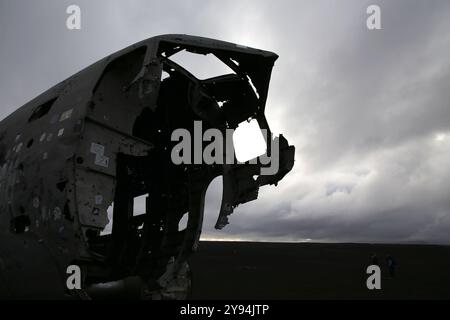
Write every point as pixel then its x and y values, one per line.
pixel 367 110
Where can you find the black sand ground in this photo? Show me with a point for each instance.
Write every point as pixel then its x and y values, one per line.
pixel 246 270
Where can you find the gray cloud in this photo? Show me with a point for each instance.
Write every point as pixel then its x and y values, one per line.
pixel 367 110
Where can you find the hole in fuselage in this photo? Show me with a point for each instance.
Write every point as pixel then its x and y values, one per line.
pixel 201 66
pixel 182 224
pixel 139 205
pixel 20 224
pixel 249 141
pixel 213 200
pixel 30 143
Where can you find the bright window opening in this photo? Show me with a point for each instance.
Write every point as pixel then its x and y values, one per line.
pixel 108 227
pixel 248 141
pixel 139 205
pixel 201 66
pixel 182 225
pixel 213 201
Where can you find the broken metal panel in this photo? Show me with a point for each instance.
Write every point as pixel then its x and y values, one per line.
pixel 115 100
pixel 103 137
pixel 95 170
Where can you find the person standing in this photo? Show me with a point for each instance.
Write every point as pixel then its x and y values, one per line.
pixel 391 264
pixel 374 259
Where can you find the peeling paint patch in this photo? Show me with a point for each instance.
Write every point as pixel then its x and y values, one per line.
pixel 100 158
pixel 66 115
pixel 19 147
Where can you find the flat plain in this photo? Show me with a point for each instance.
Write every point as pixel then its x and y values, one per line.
pixel 258 270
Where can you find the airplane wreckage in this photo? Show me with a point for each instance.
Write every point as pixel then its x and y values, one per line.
pixel 101 138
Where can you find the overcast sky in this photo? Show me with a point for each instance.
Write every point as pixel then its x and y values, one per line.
pixel 368 111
